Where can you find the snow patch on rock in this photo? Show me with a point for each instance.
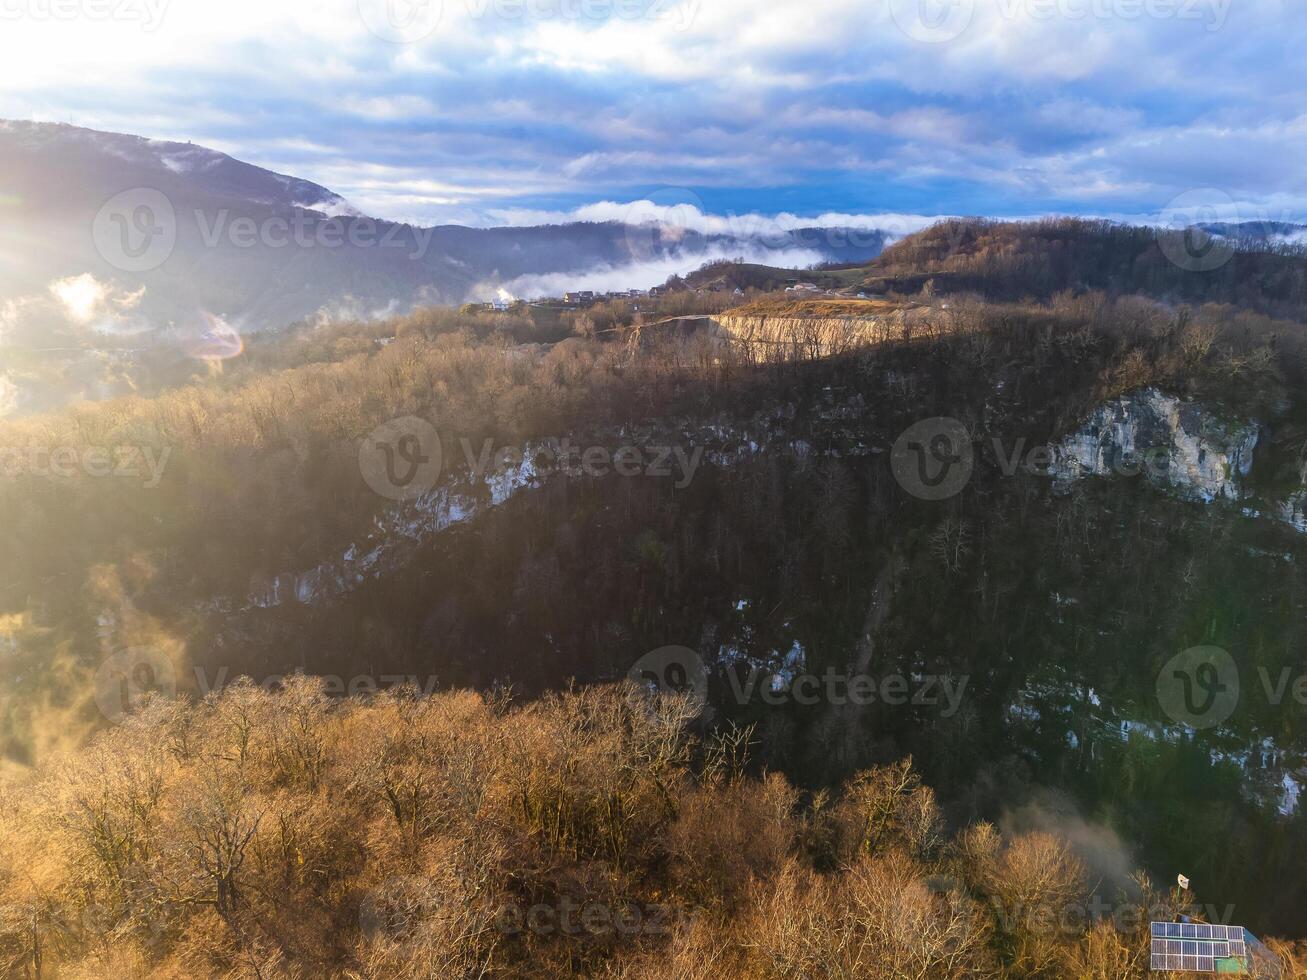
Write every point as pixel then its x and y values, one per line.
pixel 394 534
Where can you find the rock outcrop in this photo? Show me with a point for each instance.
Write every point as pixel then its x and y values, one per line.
pixel 810 337
pixel 1176 444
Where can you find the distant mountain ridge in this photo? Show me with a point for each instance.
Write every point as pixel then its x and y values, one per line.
pixel 142 158
pixel 1011 260
pixel 1268 233
pixel 264 250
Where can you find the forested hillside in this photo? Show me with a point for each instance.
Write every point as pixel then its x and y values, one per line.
pixel 587 834
pixel 1013 260
pixel 435 726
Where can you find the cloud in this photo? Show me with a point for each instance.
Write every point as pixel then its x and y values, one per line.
pixel 690 217
pixel 70 311
pixel 86 300
pixel 639 275
pixel 803 107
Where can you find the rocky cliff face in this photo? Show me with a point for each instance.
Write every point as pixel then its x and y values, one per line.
pixel 1293 511
pixel 1180 446
pixel 1291 508
pixel 399 532
pixel 811 336
pixel 1176 444
pixel 396 534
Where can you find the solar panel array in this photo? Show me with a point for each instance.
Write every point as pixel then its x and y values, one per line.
pixel 1196 946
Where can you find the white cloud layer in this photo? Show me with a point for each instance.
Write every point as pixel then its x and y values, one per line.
pixel 638 275
pixel 464 110
pixel 70 310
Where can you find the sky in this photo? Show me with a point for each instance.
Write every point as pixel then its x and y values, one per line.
pixel 517 111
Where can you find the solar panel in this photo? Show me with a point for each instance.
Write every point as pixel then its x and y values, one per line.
pixel 1193 947
pixel 1198 947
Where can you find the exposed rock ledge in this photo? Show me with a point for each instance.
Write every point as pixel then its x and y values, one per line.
pixel 810 336
pixel 1173 443
pixel 1293 511
pixel 1178 445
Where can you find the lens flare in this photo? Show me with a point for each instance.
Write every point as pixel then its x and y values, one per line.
pixel 215 340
